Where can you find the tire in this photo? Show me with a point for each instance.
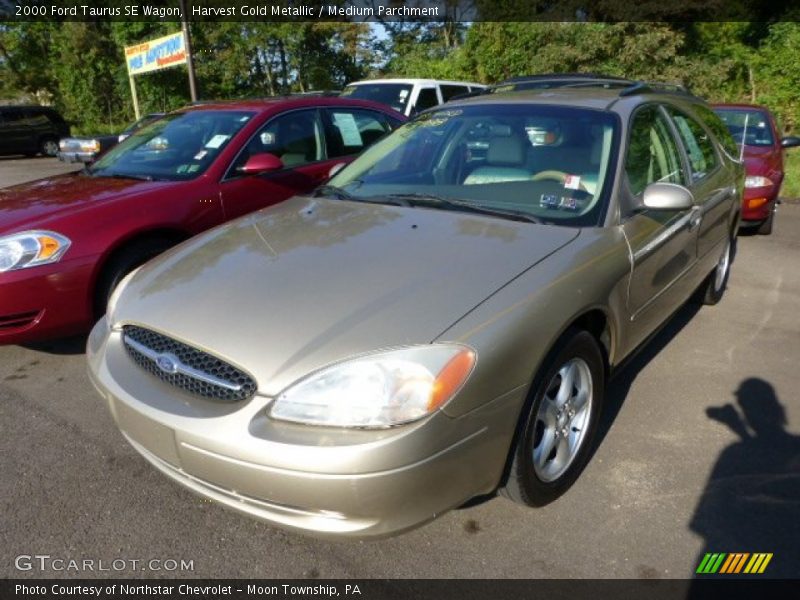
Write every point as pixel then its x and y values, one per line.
pixel 48 146
pixel 134 255
pixel 766 227
pixel 536 476
pixel 715 284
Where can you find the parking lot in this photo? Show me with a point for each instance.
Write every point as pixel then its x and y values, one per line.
pixel 699 450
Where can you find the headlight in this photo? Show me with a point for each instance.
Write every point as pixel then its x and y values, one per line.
pixel 380 390
pixel 31 249
pixel 112 299
pixel 757 181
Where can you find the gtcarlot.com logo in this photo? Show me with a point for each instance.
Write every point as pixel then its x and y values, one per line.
pixel 46 562
pixel 719 563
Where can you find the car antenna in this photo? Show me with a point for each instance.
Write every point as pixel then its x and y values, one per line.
pixel 744 136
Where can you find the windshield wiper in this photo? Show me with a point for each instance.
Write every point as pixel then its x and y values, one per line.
pixel 423 199
pixel 332 191
pixel 337 192
pixel 125 176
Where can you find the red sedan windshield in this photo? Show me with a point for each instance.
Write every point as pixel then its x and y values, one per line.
pixel 177 147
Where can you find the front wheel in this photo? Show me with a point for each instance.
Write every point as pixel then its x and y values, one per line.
pixel 557 430
pixel 766 227
pixel 48 147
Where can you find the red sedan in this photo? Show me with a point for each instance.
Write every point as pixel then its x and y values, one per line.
pixel 67 241
pixel 753 128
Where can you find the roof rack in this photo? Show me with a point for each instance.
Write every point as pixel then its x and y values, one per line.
pixel 642 87
pixel 558 77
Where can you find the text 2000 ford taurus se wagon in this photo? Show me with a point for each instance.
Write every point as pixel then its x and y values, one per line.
pixel 436 323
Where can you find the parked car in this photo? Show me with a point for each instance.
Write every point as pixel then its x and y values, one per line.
pixel 66 242
pixel 430 325
pixel 86 148
pixel 409 96
pixel 761 147
pixel 31 130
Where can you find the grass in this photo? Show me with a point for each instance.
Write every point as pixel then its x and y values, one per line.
pixel 791 181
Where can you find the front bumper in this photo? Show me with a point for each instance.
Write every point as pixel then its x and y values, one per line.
pixel 758 203
pixel 326 481
pixel 73 157
pixel 48 301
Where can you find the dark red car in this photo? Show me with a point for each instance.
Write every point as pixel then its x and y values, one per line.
pixel 67 241
pixel 760 145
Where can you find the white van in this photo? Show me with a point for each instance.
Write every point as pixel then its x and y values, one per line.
pixel 409 96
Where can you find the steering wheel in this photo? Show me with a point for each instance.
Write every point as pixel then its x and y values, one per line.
pixel 552 175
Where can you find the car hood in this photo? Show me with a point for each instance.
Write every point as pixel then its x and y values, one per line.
pixel 287 290
pixel 33 204
pixel 760 160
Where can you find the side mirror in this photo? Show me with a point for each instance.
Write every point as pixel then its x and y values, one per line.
pixel 667 196
pixel 790 141
pixel 336 168
pixel 261 163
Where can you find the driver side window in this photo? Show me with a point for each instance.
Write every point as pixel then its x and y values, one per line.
pixel 653 154
pixel 295 138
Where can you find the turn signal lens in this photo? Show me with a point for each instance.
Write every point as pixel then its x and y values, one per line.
pixel 756 202
pixel 450 378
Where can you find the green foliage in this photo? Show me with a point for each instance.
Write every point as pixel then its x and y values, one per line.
pixel 80 67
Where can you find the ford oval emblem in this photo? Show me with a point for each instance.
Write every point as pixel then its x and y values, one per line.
pixel 167 363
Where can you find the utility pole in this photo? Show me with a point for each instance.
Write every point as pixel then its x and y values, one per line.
pixel 189 59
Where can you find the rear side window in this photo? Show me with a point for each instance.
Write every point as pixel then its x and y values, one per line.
pixel 448 91
pixel 349 131
pixel 427 98
pixel 35 117
pixel 698 145
pixel 10 116
pixel 653 154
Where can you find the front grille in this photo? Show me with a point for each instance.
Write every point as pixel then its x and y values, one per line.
pixel 187 368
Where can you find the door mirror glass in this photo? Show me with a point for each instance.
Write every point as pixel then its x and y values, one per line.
pixel 790 141
pixel 667 196
pixel 261 163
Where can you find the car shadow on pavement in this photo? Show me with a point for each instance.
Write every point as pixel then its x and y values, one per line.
pixel 619 386
pixel 751 502
pixel 65 346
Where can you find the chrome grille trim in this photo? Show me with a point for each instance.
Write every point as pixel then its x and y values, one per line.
pixel 192 370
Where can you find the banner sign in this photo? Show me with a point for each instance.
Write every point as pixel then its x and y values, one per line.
pixel 160 53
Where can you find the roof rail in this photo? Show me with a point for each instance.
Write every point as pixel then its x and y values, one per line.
pixel 642 87
pixel 562 76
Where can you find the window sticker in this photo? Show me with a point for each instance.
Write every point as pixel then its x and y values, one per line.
pixel 346 123
pixel 569 203
pixel 200 155
pixel 217 141
pixel 572 182
pixel 549 201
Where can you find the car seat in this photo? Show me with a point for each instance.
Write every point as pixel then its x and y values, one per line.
pixel 505 159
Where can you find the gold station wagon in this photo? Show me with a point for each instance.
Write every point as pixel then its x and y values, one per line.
pixel 437 322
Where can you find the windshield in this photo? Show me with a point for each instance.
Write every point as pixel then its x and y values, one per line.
pixel 395 95
pixel 544 162
pixel 177 147
pixel 751 126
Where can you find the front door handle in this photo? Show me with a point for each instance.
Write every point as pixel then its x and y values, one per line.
pixel 695 218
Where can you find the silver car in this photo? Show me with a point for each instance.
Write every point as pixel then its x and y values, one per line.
pixel 438 322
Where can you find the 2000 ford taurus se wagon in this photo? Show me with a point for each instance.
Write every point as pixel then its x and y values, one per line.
pixel 436 323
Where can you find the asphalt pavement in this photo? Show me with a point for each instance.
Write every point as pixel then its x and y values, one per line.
pixel 17 169
pixel 699 451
